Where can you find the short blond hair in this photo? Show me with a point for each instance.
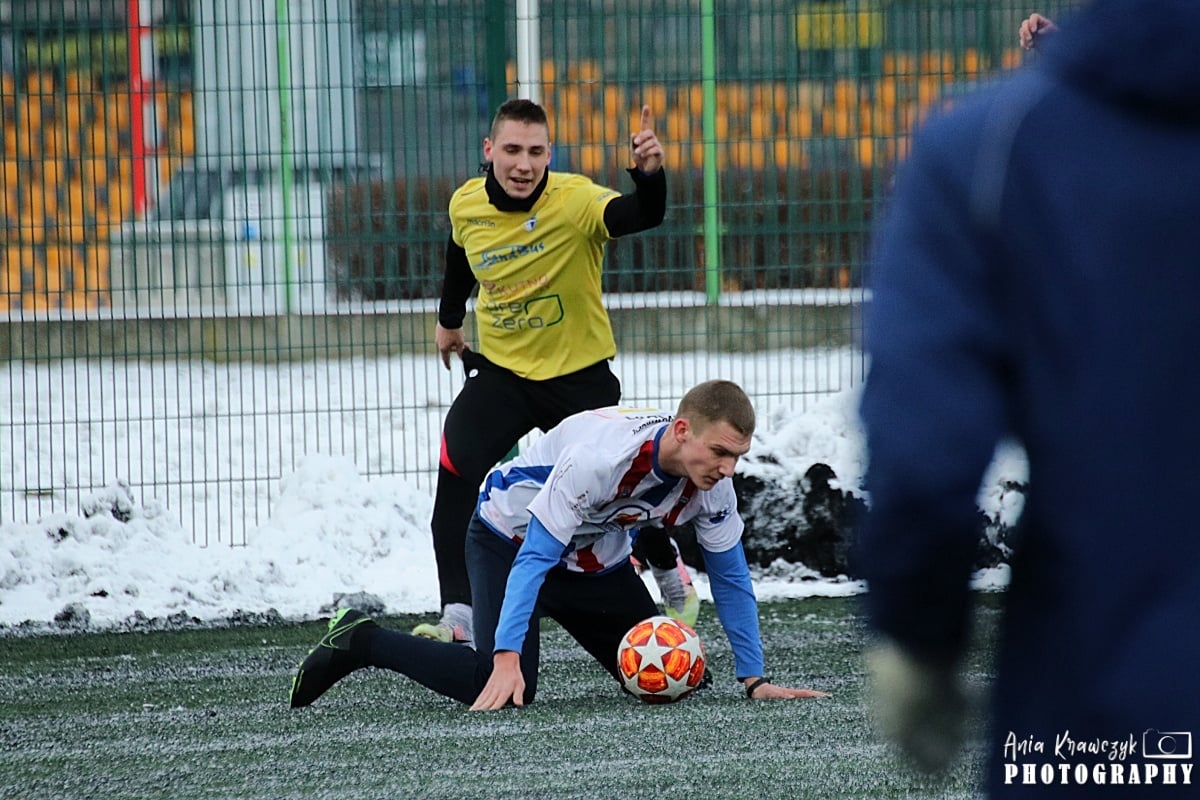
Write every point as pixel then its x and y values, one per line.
pixel 718 401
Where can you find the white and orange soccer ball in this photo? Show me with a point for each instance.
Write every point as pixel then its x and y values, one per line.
pixel 661 660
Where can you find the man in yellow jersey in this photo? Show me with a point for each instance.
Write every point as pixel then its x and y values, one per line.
pixel 533 241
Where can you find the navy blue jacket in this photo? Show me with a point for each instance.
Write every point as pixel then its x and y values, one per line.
pixel 1037 275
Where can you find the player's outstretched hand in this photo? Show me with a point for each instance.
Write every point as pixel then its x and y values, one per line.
pixel 507 683
pixel 449 341
pixel 769 691
pixel 647 151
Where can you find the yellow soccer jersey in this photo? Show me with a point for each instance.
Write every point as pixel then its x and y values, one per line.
pixel 539 311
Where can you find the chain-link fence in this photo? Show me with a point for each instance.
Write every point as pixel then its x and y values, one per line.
pixel 224 221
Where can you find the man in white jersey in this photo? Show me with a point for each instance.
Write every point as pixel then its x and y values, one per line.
pixel 551 537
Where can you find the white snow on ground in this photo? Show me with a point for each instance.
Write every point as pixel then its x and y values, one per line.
pixel 331 531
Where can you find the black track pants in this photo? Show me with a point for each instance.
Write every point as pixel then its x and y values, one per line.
pixel 596 610
pixel 490 415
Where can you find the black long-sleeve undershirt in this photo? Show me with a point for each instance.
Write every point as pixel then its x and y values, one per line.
pixel 640 210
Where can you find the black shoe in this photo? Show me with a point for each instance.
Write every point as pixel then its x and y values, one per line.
pixel 331 660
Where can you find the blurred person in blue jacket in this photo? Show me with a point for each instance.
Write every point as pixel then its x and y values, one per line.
pixel 1037 276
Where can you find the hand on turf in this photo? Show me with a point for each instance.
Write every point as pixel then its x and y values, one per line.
pixel 506 683
pixel 449 341
pixel 647 152
pixel 769 691
pixel 919 705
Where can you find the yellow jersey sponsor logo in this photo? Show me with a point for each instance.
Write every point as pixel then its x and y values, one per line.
pixel 532 314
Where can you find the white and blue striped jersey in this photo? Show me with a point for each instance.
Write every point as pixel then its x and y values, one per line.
pixel 593 480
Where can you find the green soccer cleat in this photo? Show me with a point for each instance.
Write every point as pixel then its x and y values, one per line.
pixel 438 631
pixel 454 626
pixel 332 659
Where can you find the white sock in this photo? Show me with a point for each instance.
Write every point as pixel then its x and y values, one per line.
pixel 671 586
pixel 455 614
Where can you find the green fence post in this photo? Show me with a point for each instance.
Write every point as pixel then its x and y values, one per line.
pixel 712 232
pixel 496 54
pixel 282 45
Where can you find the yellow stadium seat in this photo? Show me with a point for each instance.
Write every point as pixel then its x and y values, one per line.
pixel 722 131
pixel 971 62
pixel 568 129
pixel 762 124
pixel 614 100
pixel 31 228
pixel 120 199
pixel 10 275
pixel 800 123
pixel 10 174
pixel 592 129
pixel 53 270
pixel 673 158
pixel 548 74
pixel 789 154
pixel 676 125
pixel 583 71
pixel 10 139
pixel 845 93
pixel 780 99
pixel 187 140
pixel 591 159
pixel 838 122
pixel 39 84
pixel 866 118
pixel 866 152
pixel 77 82
pixel 52 174
pixel 117 109
pixel 929 91
pixel 898 63
pixel 96 269
pixel 10 211
pixel 655 96
pixel 733 98
pixel 887 92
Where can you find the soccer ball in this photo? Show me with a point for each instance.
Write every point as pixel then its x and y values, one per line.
pixel 661 660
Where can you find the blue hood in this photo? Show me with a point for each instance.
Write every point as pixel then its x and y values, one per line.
pixel 1156 66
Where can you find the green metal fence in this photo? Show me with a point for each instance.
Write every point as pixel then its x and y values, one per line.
pixel 224 220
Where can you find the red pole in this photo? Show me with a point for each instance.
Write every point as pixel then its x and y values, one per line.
pixel 137 91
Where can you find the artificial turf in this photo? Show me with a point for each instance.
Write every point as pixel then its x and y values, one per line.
pixel 201 712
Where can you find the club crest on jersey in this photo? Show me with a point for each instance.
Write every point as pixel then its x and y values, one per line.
pixel 720 516
pixel 531 223
pixel 626 517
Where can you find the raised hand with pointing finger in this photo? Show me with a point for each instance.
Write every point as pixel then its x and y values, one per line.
pixel 647 150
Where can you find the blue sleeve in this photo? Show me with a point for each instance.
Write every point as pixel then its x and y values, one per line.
pixel 539 553
pixel 737 607
pixel 933 406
